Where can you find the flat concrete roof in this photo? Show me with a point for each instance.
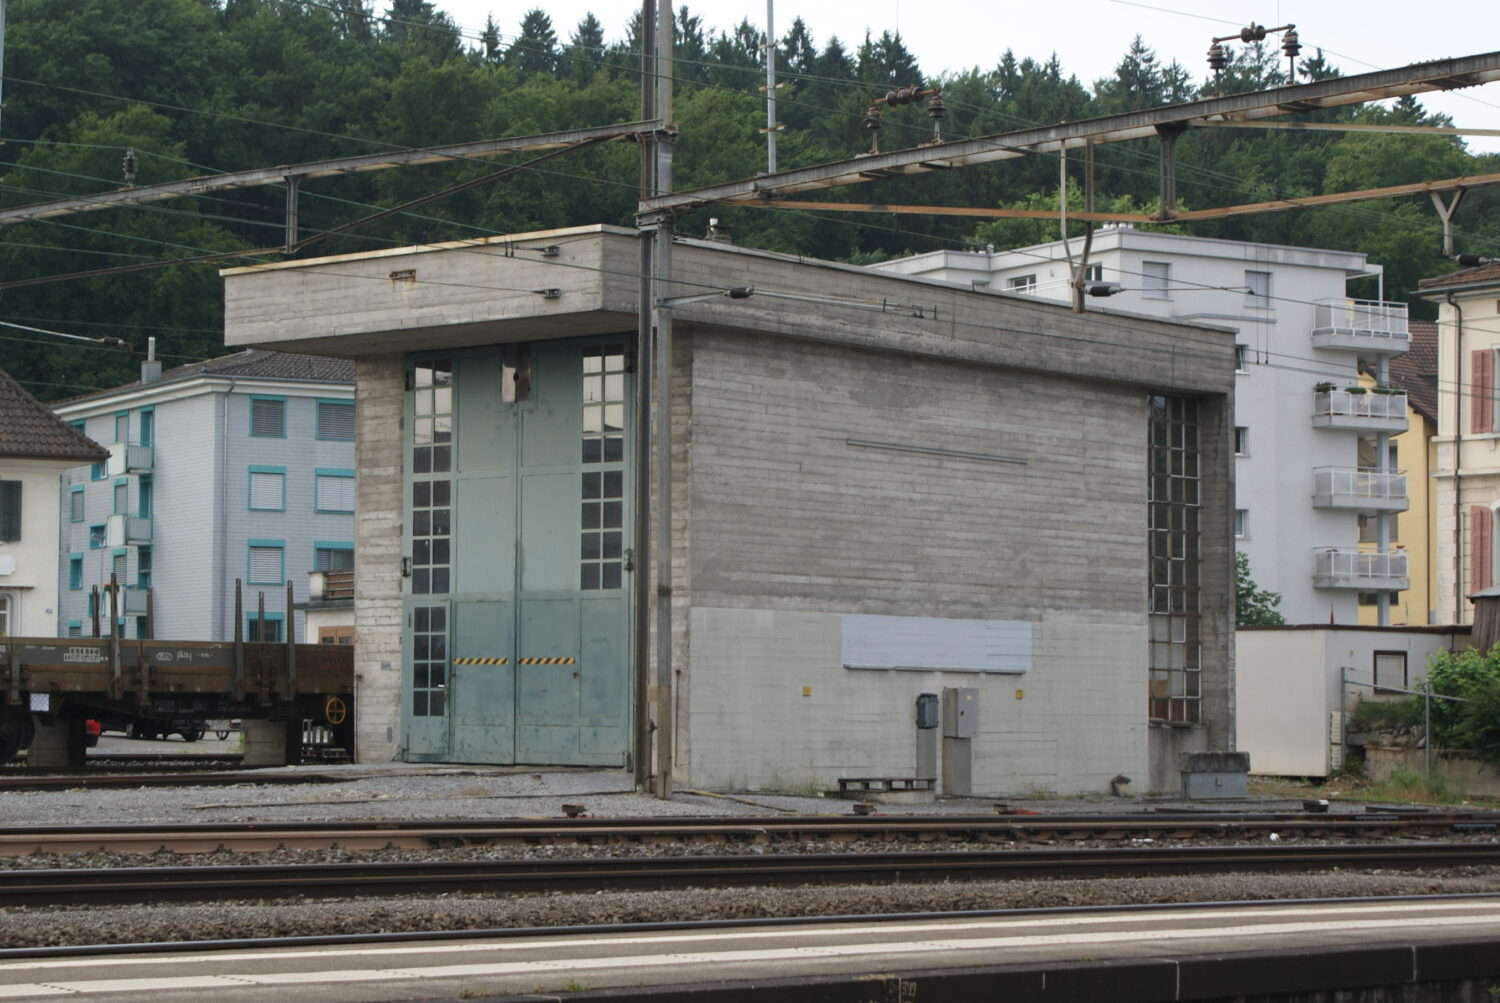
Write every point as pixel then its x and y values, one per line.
pixel 586 280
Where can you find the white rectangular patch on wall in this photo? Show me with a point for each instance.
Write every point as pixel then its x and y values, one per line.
pixel 927 643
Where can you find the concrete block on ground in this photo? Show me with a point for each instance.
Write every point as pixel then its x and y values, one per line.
pixel 266 742
pixel 58 744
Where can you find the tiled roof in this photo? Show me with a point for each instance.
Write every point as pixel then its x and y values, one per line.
pixel 1416 372
pixel 1462 277
pixel 28 429
pixel 252 363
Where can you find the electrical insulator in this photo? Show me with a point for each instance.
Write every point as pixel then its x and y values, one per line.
pixel 1289 43
pixel 129 166
pixel 872 118
pixel 1216 60
pixel 1253 33
pixel 935 106
pixel 902 95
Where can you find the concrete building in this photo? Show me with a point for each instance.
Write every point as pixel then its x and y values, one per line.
pixel 240 467
pixel 881 487
pixel 35 449
pixel 1468 439
pixel 1313 457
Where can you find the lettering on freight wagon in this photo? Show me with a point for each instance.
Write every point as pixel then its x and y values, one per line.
pixel 88 656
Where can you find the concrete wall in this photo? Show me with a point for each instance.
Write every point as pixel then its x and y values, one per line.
pixel 792 526
pixel 377 558
pixel 28 566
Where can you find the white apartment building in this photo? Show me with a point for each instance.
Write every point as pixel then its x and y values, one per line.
pixel 236 468
pixel 1315 472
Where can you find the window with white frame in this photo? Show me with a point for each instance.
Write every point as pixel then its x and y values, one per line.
pixel 1242 358
pixel 334 491
pixel 1156 280
pixel 1093 273
pixel 1258 289
pixel 267 562
pixel 122 427
pixel 1241 523
pixel 1021 283
pixel 5 615
pixel 1241 440
pixel 268 488
pixel 336 420
pixel 268 417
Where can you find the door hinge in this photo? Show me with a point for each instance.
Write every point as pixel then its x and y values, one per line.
pixel 406 567
pixel 629 558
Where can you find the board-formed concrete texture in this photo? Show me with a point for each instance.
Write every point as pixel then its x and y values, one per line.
pixel 847 444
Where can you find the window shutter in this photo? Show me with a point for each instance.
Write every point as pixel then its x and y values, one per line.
pixel 265 565
pixel 76 503
pixel 1482 385
pixel 1480 569
pixel 119 568
pixel 335 421
pixel 335 494
pixel 266 490
pixel 10 510
pixel 267 417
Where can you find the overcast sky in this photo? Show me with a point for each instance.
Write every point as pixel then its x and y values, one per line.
pixel 1089 36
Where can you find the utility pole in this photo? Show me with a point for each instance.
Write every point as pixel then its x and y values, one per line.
pixel 653 739
pixel 770 87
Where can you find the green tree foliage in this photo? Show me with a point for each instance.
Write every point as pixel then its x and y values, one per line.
pixel 1253 606
pixel 1473 721
pixel 201 86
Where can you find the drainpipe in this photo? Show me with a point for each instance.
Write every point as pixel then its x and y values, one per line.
pixel 221 510
pixel 1458 436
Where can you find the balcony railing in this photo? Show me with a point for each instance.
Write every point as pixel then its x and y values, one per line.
pixel 1354 569
pixel 125 458
pixel 127 530
pixel 1363 412
pixel 1360 326
pixel 330 586
pixel 134 600
pixel 1361 489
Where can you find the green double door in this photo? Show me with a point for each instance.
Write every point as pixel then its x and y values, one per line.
pixel 516 641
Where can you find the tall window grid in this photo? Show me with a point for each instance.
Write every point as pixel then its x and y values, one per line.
pixel 1174 600
pixel 601 554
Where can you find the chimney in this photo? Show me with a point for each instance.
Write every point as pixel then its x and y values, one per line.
pixel 150 369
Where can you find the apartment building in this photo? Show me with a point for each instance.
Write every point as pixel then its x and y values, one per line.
pixel 237 468
pixel 1315 463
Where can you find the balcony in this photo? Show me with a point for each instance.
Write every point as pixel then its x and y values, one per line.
pixel 330 586
pixel 127 459
pixel 127 530
pixel 1368 326
pixel 134 601
pixel 1360 412
pixel 1360 489
pixel 1359 570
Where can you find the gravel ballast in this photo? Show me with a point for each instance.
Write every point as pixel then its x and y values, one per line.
pixel 408 792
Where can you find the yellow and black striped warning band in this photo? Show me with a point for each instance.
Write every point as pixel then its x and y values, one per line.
pixel 481 661
pixel 545 661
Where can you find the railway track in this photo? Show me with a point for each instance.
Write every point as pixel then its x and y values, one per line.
pixel 497 877
pixel 969 829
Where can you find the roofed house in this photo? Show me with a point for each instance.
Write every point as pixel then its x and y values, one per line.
pixel 35 449
pixel 240 467
pixel 1466 501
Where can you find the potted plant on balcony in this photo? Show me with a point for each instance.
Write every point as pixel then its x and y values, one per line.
pixel 1323 388
pixel 1354 390
pixel 1385 389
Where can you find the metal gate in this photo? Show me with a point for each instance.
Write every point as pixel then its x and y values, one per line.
pixel 516 640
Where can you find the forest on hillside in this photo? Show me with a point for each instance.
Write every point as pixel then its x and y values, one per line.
pixel 197 87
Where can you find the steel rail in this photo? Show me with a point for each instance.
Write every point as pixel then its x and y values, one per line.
pixel 447 833
pixel 278 881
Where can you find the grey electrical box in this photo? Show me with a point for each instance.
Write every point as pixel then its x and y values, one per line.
pixel 960 712
pixel 927 710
